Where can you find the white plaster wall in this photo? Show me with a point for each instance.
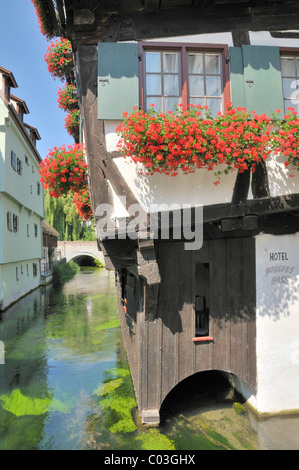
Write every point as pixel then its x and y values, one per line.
pixel 277 335
pixel 196 188
pixel 213 38
pixel 282 180
pixel 192 189
pixel 264 38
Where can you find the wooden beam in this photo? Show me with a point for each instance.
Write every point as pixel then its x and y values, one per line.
pixel 199 18
pixel 147 263
pixel 260 182
pixel 100 162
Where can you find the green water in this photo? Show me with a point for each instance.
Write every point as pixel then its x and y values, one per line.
pixel 65 383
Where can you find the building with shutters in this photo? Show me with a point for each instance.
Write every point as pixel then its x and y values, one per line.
pixel 21 198
pixel 232 304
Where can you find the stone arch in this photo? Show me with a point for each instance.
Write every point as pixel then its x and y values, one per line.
pixel 205 385
pixel 84 257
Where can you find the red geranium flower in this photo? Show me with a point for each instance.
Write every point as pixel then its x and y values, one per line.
pixel 64 170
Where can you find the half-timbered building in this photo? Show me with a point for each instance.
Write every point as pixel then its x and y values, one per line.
pixel 232 304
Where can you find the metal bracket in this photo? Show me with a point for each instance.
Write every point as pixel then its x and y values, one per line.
pixel 103 81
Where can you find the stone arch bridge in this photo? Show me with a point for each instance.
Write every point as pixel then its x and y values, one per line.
pixel 82 252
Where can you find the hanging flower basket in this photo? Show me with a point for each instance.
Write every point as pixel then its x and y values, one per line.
pixel 64 170
pixel 72 124
pixel 190 139
pixel 44 18
pixel 286 139
pixel 59 59
pixel 83 205
pixel 67 97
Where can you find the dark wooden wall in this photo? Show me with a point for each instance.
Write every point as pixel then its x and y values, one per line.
pixel 161 350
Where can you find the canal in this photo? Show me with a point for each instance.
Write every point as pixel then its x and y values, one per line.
pixel 65 384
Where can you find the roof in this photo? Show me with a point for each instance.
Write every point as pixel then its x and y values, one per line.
pixel 9 74
pixel 49 229
pixel 34 130
pixel 20 102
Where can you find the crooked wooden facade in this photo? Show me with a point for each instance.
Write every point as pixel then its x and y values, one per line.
pixel 186 311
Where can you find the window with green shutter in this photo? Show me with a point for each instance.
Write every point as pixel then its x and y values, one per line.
pixel 256 81
pixel 118 84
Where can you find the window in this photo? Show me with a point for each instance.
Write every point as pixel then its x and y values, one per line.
pixel 12 222
pixel 202 299
pixel 9 221
pixel 19 166
pixel 205 80
pixel 26 160
pixel 290 80
pixel 35 230
pixel 17 273
pixel 15 222
pixel 38 188
pixel 184 74
pixel 13 160
pixel 34 268
pixel 162 79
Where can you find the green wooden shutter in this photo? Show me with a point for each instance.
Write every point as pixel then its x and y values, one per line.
pixel 237 77
pixel 256 81
pixel 118 86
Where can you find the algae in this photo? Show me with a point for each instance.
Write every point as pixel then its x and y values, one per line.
pixel 239 408
pixel 108 388
pixel 108 325
pixel 118 400
pixel 120 408
pixel 154 440
pixel 20 405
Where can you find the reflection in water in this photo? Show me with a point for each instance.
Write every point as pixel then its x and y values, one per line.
pixel 66 383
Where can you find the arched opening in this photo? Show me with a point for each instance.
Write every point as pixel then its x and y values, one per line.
pixel 204 390
pixel 84 260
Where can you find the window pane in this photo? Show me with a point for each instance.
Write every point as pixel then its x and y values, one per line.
pixel 196 85
pixel 170 62
pixel 212 62
pixel 153 62
pixel 170 103
pixel 288 66
pixel 290 88
pixel 153 85
pixel 195 63
pixel 171 85
pixel 213 86
pixel 154 100
pixel 214 105
pixel 196 101
pixel 290 103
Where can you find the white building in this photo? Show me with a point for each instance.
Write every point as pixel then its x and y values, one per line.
pixel 21 198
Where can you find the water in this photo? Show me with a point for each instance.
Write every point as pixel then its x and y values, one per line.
pixel 66 384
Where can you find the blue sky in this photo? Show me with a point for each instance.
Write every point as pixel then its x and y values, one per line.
pixel 22 49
